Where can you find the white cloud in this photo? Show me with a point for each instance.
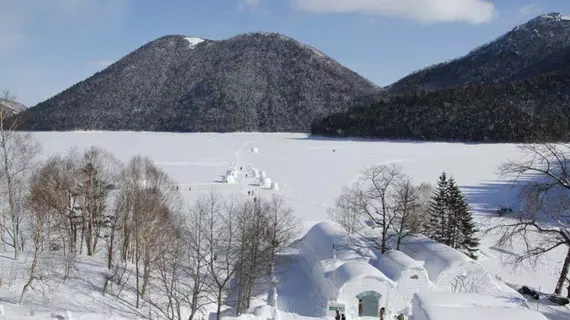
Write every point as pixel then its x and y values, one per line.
pixel 530 10
pixel 427 11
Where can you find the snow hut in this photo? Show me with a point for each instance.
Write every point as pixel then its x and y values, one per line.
pixel 230 179
pixel 265 182
pixel 469 306
pixel 357 280
pixel 447 268
pixel 320 239
pixel 341 265
pixel 409 275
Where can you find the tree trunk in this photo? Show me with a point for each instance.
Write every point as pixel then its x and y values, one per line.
pixel 219 309
pixel 563 274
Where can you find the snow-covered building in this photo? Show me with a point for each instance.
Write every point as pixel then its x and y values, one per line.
pixel 470 306
pixel 409 275
pixel 341 264
pixel 448 269
pixel 357 280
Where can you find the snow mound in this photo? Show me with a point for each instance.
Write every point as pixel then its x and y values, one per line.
pixel 321 237
pixel 265 183
pixel 230 179
pixel 470 306
pixel 352 279
pixel 194 41
pixel 447 267
pixel 409 275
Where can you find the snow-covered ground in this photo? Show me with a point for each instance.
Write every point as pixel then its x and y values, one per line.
pixel 311 173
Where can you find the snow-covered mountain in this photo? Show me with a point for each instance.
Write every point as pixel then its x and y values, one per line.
pixel 251 82
pixel 533 48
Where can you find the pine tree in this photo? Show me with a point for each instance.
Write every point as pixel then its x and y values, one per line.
pixel 436 225
pixel 469 241
pixel 454 202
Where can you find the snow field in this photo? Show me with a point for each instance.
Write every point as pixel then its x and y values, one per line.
pixel 311 176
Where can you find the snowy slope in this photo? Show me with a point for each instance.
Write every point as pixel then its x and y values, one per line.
pixel 311 172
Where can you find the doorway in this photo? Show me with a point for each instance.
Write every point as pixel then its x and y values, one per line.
pixel 370 303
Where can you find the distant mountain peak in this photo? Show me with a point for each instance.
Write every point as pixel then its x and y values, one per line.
pixel 260 81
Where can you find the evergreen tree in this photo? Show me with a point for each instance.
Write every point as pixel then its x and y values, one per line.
pixel 469 241
pixel 436 225
pixel 454 204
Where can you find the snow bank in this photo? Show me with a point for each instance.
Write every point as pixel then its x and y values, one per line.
pixel 469 306
pixel 409 275
pixel 353 278
pixel 448 268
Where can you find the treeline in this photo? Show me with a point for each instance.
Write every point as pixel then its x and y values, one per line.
pixel 220 251
pixel 534 110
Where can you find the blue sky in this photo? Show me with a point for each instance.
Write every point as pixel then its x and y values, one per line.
pixel 48 45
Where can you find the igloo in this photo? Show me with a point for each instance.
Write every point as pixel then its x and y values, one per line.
pixel 230 179
pixel 265 182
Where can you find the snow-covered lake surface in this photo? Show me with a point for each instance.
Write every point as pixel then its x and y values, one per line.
pixel 311 173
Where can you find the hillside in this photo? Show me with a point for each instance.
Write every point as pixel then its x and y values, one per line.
pixel 536 47
pixel 530 111
pixel 251 82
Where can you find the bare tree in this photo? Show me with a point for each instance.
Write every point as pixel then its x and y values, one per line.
pixel 39 219
pixel 345 214
pixel 543 223
pixel 18 153
pixel 283 227
pixel 221 243
pixel 373 197
pixel 407 211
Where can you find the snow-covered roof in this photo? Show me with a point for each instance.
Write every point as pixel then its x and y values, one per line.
pixel 356 270
pixel 450 306
pixel 394 263
pixel 437 256
pixel 320 239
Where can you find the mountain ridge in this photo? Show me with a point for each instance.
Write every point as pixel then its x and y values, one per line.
pixel 249 82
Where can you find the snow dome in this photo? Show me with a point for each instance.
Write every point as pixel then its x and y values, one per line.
pixel 409 275
pixel 447 268
pixel 357 280
pixel 265 182
pixel 230 179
